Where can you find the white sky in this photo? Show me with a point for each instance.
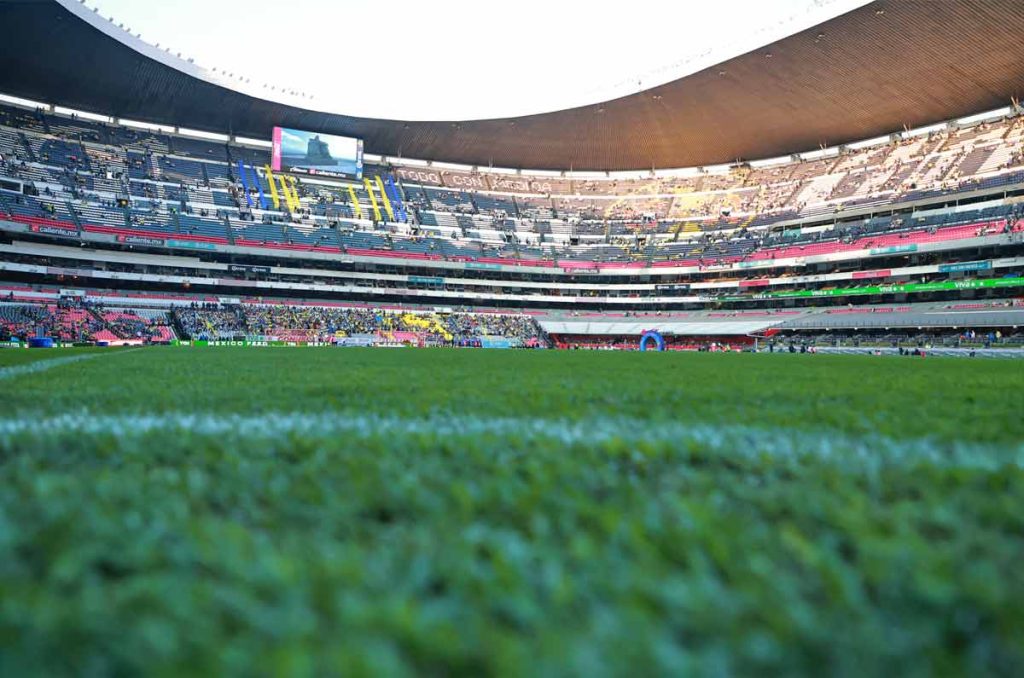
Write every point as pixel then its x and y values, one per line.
pixel 461 59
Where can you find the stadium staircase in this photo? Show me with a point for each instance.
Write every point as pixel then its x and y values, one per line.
pixel 87 163
pixel 106 332
pixel 336 234
pixel 832 167
pixel 650 250
pixel 97 316
pixel 385 199
pixel 176 221
pixel 797 187
pixel 175 324
pixel 230 231
pixel 245 184
pixel 397 198
pixel 28 147
pixel 74 216
pixel 154 167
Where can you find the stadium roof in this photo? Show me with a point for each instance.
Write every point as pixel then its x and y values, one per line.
pixel 872 71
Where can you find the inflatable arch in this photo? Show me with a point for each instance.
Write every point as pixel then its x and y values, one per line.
pixel 652 335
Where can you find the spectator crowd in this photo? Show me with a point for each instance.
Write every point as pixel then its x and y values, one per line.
pixel 76 320
pixel 328 324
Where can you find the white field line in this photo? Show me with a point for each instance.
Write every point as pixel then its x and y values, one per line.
pixel 871 452
pixel 43 365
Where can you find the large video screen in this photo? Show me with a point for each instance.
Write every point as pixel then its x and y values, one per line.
pixel 317 154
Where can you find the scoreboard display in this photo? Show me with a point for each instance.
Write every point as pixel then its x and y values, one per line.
pixel 317 154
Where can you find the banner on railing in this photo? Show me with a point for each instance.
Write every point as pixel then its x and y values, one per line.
pixel 910 288
pixel 965 266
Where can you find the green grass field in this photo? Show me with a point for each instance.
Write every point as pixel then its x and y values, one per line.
pixel 444 512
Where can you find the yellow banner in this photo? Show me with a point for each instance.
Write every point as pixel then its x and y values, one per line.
pixel 295 193
pixel 273 188
pixel 355 202
pixel 373 200
pixel 385 200
pixel 287 194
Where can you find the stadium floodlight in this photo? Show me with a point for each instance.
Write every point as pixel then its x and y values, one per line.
pixel 84 115
pixel 768 162
pixel 148 126
pixel 262 143
pixel 678 172
pixel 199 134
pixel 630 174
pixel 717 169
pixel 820 153
pixel 988 115
pixel 18 101
pixel 538 173
pixel 451 165
pixel 920 131
pixel 867 143
pixel 414 162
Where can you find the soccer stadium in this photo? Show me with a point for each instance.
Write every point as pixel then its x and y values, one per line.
pixel 720 371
